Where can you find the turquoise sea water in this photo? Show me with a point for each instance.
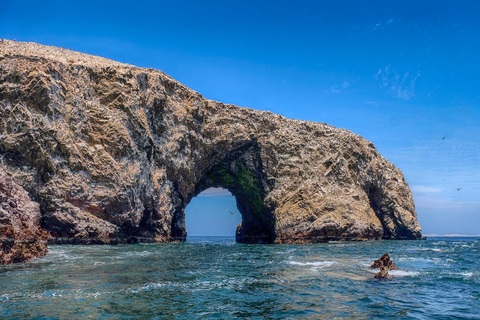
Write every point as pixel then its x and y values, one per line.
pixel 216 278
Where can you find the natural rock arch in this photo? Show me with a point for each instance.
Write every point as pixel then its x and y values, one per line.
pixel 240 173
pixel 114 153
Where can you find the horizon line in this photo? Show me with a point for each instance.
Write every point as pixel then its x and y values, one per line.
pixel 450 235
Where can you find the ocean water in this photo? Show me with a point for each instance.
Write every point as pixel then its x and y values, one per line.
pixel 216 278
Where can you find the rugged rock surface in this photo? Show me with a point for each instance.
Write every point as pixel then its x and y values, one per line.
pixel 382 274
pixel 21 237
pixel 112 151
pixel 384 264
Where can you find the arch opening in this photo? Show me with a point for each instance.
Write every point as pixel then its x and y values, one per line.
pixel 212 213
pixel 242 175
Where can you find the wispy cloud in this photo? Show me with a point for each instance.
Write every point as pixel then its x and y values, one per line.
pixel 215 192
pixel 375 26
pixel 429 202
pixel 382 24
pixel 334 89
pixel 424 189
pixel 373 103
pixel 400 85
pixel 340 88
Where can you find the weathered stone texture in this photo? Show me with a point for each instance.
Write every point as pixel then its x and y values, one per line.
pixel 112 151
pixel 21 237
pixel 384 264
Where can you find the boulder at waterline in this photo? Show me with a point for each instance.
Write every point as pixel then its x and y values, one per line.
pixel 21 237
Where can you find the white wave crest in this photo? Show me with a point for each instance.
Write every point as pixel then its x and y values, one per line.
pixel 314 264
pixel 402 273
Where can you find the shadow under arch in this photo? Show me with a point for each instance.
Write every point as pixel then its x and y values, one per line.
pixel 241 174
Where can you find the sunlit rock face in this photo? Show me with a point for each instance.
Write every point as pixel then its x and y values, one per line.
pixel 115 153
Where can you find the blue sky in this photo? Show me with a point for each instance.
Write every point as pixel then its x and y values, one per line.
pixel 403 74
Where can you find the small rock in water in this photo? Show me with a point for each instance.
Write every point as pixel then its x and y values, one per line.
pixel 384 262
pixel 382 274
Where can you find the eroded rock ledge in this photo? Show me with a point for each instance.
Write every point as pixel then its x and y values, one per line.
pixel 112 151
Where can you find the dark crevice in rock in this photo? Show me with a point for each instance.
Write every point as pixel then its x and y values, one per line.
pixel 372 197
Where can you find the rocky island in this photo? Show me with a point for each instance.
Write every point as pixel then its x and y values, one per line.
pixel 114 153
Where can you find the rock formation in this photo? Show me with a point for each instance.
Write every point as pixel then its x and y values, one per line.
pixel 21 237
pixel 382 274
pixel 115 152
pixel 384 264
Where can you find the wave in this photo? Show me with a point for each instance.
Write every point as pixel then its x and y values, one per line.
pixel 315 264
pixel 398 273
pixel 402 273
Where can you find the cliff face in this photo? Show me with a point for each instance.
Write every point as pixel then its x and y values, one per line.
pixel 112 151
pixel 21 237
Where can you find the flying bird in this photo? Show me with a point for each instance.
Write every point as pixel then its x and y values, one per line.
pixel 443 138
pixel 458 189
pixel 230 211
